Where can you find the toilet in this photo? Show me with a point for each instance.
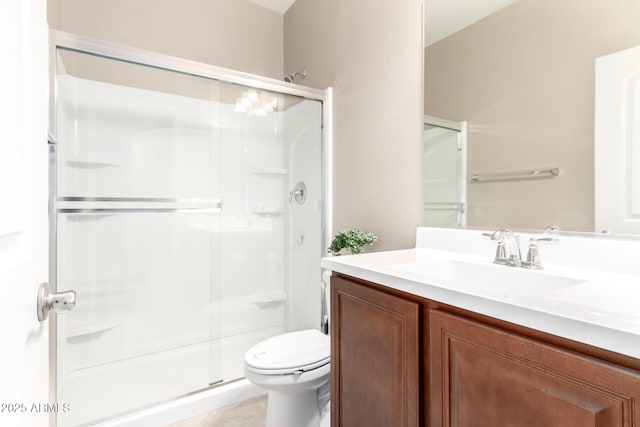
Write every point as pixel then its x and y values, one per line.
pixel 294 368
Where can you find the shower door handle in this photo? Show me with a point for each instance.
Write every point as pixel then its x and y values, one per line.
pixel 60 302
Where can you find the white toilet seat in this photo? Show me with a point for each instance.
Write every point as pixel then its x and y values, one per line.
pixel 289 354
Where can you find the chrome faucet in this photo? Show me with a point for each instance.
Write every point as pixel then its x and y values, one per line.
pixel 508 250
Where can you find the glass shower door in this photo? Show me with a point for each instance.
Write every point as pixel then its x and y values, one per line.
pixel 172 289
pixel 137 214
pixel 269 243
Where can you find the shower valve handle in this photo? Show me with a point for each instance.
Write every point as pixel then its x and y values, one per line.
pixel 299 193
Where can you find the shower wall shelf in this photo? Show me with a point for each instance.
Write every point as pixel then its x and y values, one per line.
pixel 520 174
pixel 270 171
pixel 90 328
pixel 89 218
pixel 267 210
pixel 265 299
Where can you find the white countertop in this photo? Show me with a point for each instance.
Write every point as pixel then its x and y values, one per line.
pixel 589 290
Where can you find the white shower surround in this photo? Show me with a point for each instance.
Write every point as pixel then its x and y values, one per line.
pixel 264 308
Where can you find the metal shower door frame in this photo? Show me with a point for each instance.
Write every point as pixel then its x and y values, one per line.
pixel 118 52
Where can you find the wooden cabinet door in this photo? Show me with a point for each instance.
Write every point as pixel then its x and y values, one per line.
pixel 375 370
pixel 484 376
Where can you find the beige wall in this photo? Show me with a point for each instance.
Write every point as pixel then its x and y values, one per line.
pixel 524 79
pixel 233 34
pixel 310 42
pixel 370 52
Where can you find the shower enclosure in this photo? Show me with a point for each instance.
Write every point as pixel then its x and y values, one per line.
pixel 444 172
pixel 189 215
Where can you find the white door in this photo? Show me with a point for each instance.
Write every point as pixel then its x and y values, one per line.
pixel 617 142
pixel 23 212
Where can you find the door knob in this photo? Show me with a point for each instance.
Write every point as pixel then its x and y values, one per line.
pixel 60 302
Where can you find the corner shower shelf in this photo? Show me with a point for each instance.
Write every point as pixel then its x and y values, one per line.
pixel 267 210
pixel 269 298
pixel 269 171
pixel 89 328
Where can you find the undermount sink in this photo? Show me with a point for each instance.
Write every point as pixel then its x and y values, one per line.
pixel 489 280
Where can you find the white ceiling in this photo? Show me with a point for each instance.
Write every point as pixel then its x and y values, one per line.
pixel 280 6
pixel 442 17
pixel 445 17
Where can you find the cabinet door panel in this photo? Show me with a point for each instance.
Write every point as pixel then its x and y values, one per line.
pixel 375 357
pixel 484 376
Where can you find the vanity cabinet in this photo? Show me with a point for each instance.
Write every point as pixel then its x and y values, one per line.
pixel 375 357
pixel 402 360
pixel 485 376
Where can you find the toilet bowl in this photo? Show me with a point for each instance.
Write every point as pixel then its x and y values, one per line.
pixel 294 368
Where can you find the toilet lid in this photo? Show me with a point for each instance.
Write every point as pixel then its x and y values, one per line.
pixel 298 351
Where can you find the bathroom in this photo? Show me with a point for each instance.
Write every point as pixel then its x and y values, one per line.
pixel 360 49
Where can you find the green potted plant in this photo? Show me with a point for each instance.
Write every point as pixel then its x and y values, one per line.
pixel 351 240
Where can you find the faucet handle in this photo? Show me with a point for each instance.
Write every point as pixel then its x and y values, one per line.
pixel 503 253
pixel 552 229
pixel 533 255
pixel 552 240
pixel 499 234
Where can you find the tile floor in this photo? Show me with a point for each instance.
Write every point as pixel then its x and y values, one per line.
pixel 248 413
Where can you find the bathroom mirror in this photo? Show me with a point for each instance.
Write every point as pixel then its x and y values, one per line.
pixel 523 78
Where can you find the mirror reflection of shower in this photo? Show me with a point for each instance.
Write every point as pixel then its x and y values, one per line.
pixel 444 172
pixel 290 77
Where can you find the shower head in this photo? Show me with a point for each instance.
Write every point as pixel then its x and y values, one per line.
pixel 289 77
